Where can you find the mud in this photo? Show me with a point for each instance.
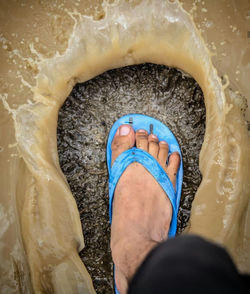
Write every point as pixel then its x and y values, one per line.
pixel 83 125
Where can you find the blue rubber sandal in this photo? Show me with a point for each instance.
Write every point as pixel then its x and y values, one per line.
pixel 139 121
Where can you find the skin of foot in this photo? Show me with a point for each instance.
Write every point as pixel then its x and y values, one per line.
pixel 142 211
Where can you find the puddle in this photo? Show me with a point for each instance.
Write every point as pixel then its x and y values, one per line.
pixel 83 125
pixel 45 50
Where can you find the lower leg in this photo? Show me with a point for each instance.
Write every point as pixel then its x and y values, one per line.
pixel 132 257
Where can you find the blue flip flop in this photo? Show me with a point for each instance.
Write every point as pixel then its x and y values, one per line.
pixel 139 121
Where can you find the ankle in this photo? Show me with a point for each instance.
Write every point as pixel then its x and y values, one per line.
pixel 129 254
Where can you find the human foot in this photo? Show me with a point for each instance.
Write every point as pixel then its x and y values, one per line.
pixel 141 210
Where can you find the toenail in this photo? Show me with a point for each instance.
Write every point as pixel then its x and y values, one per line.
pixel 154 136
pixel 124 130
pixel 163 142
pixel 141 131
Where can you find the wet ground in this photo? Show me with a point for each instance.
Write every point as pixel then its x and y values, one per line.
pixel 83 125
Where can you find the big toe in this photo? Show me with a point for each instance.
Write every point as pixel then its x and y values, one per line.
pixel 124 139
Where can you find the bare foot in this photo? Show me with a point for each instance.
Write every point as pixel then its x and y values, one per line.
pixel 141 210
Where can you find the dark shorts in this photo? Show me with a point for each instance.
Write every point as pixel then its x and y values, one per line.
pixel 188 264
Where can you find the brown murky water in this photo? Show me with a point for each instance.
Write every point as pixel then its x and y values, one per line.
pixel 83 125
pixel 46 47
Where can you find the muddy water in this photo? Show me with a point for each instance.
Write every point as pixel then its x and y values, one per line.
pixel 83 125
pixel 46 48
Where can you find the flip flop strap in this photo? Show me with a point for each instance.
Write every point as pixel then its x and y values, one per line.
pixel 153 167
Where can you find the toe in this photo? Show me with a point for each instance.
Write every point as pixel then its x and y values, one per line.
pixel 153 146
pixel 124 139
pixel 163 153
pixel 142 140
pixel 173 165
